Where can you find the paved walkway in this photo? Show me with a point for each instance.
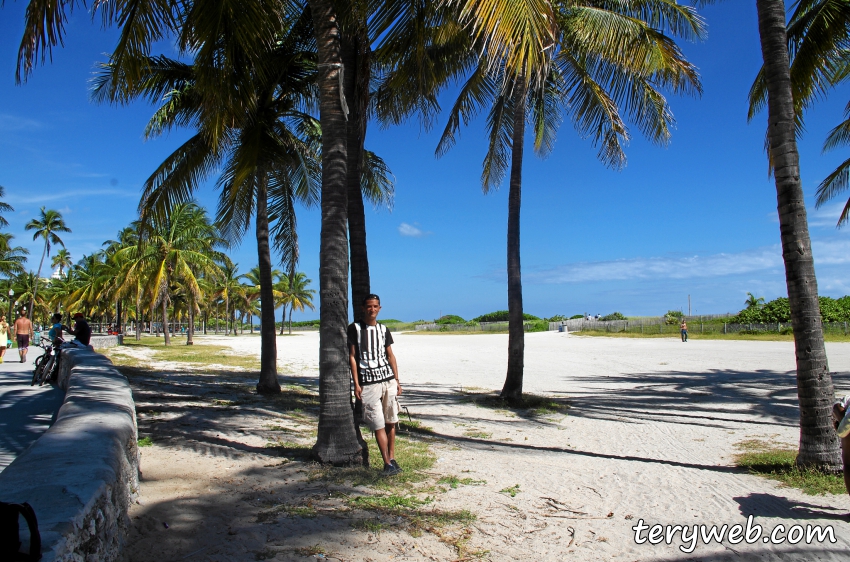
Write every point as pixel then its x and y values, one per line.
pixel 25 411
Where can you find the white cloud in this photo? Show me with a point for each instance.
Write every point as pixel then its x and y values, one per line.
pixel 826 252
pixel 13 123
pixel 81 194
pixel 826 216
pixel 409 230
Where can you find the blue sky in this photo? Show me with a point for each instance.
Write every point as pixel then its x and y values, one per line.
pixel 697 217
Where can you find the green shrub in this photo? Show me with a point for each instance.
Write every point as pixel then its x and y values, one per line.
pixel 501 316
pixel 450 319
pixel 576 316
pixel 613 316
pixel 673 317
pixel 556 318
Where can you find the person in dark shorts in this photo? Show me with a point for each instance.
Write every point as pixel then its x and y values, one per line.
pixel 23 333
pixel 375 374
pixel 81 330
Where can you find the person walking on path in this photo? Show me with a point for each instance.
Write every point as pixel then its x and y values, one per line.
pixel 684 328
pixel 4 337
pixel 23 333
pixel 375 374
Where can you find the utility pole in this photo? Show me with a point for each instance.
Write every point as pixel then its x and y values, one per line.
pixel 689 305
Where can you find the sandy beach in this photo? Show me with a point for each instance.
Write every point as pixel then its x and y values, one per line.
pixel 650 436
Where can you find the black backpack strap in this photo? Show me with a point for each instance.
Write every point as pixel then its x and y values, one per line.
pixel 35 537
pixel 10 541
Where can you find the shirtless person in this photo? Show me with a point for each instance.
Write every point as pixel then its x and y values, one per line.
pixel 23 333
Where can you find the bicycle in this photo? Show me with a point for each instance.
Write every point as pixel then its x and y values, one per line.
pixel 46 366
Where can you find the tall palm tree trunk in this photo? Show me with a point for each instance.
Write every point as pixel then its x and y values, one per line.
pixel 818 442
pixel 190 328
pixel 512 389
pixel 336 442
pixel 165 321
pixel 355 66
pixel 139 317
pixel 119 315
pixel 37 278
pixel 268 383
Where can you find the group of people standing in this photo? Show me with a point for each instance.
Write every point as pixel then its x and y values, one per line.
pixel 23 331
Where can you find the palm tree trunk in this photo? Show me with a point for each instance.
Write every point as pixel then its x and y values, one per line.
pixel 165 322
pixel 226 316
pixel 206 319
pixel 290 321
pixel 37 277
pixel 819 446
pixel 354 51
pixel 190 329
pixel 119 311
pixel 139 325
pixel 512 389
pixel 336 442
pixel 268 383
pixel 283 320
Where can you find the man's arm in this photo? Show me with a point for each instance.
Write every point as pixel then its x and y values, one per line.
pixel 393 366
pixel 352 363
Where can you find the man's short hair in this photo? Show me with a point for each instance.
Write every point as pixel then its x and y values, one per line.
pixel 371 297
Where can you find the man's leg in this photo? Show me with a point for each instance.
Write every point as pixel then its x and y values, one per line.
pixel 390 437
pixel 381 438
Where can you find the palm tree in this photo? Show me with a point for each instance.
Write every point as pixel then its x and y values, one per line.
pixel 173 249
pixel 255 129
pixel 4 207
pixel 299 296
pixel 753 301
pixel 595 60
pixel 819 446
pixel 62 260
pixel 12 258
pixel 229 288
pixel 46 226
pixel 336 442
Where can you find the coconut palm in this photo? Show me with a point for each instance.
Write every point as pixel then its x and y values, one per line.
pixel 299 296
pixel 230 289
pixel 62 260
pixel 818 443
pixel 4 207
pixel 46 227
pixel 256 130
pixel 336 442
pixel 753 301
pixel 12 258
pixel 598 62
pixel 173 249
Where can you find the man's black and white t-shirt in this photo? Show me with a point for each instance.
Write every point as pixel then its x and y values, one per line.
pixel 370 347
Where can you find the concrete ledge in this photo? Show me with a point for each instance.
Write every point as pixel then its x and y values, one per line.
pixel 82 475
pixel 102 342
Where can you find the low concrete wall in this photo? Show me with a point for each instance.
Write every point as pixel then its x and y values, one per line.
pixel 102 342
pixel 82 475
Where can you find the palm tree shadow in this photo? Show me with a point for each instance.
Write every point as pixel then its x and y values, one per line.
pixel 769 505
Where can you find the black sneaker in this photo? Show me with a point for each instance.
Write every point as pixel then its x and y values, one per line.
pixel 390 470
pixel 396 466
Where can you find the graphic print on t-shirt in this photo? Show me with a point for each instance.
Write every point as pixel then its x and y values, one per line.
pixel 370 347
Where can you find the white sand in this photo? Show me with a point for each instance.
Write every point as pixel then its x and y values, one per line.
pixel 650 435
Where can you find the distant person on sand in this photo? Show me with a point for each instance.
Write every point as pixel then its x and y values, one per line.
pixel 841 418
pixel 23 333
pixel 375 374
pixel 4 337
pixel 684 328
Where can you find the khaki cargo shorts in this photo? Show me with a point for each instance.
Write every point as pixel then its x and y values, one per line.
pixel 380 404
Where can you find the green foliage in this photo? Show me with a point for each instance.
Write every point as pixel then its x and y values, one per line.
pixel 779 310
pixel 512 491
pixel 576 316
pixel 613 316
pixel 145 442
pixel 556 318
pixel 673 317
pixel 450 319
pixel 501 316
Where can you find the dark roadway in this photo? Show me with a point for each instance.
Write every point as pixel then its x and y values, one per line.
pixel 25 411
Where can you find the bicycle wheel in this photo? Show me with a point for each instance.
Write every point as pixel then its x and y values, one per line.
pixel 47 370
pixel 39 366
